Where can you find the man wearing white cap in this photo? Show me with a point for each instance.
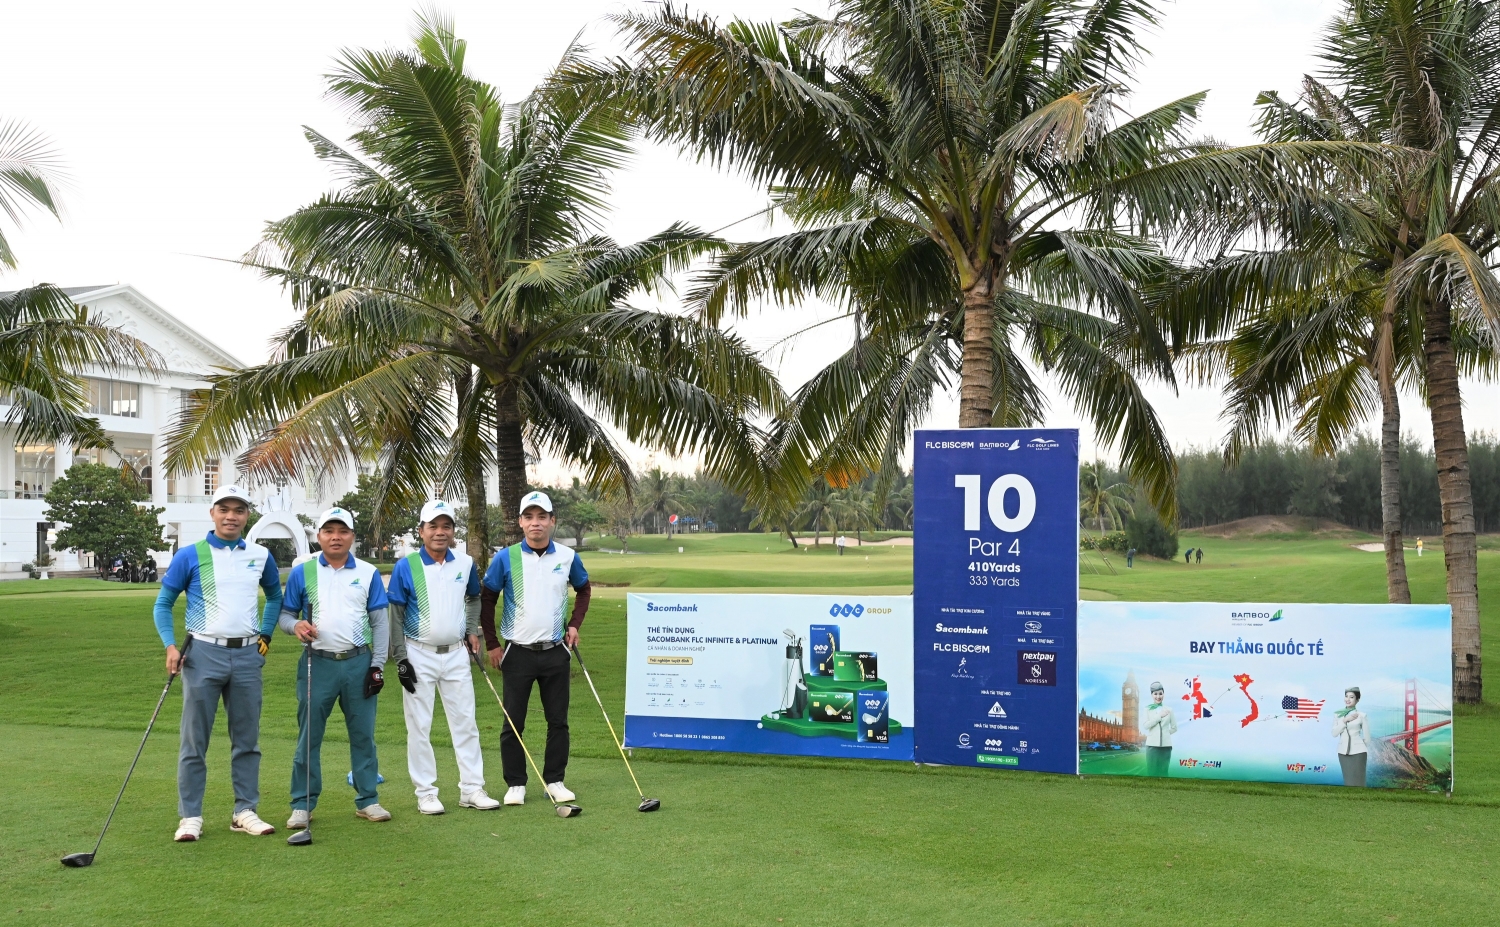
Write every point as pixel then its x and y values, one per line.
pixel 222 576
pixel 347 625
pixel 533 577
pixel 434 596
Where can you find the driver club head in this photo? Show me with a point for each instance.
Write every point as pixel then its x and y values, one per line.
pixel 301 838
pixel 78 860
pixel 649 804
pixel 569 811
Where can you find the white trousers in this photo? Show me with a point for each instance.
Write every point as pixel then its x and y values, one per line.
pixel 445 674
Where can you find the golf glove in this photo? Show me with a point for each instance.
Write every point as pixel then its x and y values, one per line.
pixel 374 681
pixel 407 675
pixel 264 644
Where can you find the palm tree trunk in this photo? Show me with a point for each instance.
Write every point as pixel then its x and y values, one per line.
pixel 477 538
pixel 1397 589
pixel 1460 551
pixel 510 452
pixel 977 375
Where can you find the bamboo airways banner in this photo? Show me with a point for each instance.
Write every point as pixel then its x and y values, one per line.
pixel 996 597
pixel 809 675
pixel 1353 695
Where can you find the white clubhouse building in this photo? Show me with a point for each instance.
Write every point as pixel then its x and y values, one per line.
pixel 136 409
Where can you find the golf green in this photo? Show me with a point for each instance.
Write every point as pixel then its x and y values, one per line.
pixel 739 839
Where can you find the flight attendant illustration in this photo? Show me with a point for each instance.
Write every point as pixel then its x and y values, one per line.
pixel 1352 728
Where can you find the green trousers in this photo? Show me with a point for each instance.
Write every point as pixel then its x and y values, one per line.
pixel 341 681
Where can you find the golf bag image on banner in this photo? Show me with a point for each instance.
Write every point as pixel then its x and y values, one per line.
pixel 995 598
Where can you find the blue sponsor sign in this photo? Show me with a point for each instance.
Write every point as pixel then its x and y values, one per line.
pixel 995 606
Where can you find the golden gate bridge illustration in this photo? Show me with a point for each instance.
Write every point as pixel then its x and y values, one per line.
pixel 1412 727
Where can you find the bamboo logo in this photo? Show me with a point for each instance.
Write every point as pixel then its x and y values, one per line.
pixel 1277 616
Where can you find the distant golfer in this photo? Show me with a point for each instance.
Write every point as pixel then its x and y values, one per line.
pixel 346 622
pixel 434 596
pixel 1160 726
pixel 1130 559
pixel 1198 555
pixel 1188 557
pixel 222 576
pixel 533 578
pixel 1419 547
pixel 841 542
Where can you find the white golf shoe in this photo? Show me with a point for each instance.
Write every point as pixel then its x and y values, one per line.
pixel 429 804
pixel 298 820
pixel 478 799
pixel 373 812
pixel 188 830
pixel 248 822
pixel 560 792
pixel 515 795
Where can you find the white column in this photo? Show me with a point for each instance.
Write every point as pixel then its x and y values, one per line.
pixel 161 413
pixel 62 460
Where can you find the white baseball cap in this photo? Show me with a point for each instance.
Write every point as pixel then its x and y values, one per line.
pixel 336 514
pixel 539 499
pixel 232 491
pixel 435 508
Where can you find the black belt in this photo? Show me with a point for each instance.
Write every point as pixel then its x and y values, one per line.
pixel 539 645
pixel 340 654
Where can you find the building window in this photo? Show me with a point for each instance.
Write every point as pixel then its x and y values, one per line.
pixel 210 477
pixel 114 397
pixel 34 470
pixel 137 456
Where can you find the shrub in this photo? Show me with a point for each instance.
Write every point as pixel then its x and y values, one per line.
pixel 1115 540
pixel 1145 532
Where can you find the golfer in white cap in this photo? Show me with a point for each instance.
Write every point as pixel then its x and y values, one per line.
pixel 533 577
pixel 222 575
pixel 344 604
pixel 434 596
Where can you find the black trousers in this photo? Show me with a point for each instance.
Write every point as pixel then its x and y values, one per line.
pixel 549 670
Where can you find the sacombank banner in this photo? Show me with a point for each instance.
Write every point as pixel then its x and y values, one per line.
pixel 808 675
pixel 1353 695
pixel 996 597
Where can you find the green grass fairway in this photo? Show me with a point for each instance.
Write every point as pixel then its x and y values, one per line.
pixel 740 839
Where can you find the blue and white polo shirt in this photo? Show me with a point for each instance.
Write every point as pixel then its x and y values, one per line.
pixel 433 594
pixel 337 601
pixel 535 590
pixel 222 579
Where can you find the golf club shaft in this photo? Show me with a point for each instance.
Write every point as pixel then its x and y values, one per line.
pixel 138 751
pixel 489 682
pixel 307 752
pixel 600 702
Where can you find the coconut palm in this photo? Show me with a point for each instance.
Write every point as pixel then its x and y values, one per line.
pixel 660 495
pixel 461 311
pixel 1401 250
pixel 854 507
pixel 46 341
pixel 818 509
pixel 1098 498
pixel 957 176
pixel 30 171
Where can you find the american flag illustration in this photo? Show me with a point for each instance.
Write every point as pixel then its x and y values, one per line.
pixel 1301 708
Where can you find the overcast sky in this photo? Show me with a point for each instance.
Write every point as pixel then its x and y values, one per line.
pixel 181 125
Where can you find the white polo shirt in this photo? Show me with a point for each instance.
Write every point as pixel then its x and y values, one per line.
pixel 337 601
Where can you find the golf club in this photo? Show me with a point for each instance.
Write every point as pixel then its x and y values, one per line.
pixel 79 860
pixel 563 811
pixel 303 837
pixel 647 804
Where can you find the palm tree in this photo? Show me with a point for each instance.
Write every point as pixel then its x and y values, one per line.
pixel 460 310
pixel 30 171
pixel 1402 248
pixel 659 494
pixel 45 341
pixel 855 507
pixel 1097 497
pixel 818 509
pixel 957 180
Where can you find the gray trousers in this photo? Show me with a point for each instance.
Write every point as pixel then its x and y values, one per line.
pixel 211 673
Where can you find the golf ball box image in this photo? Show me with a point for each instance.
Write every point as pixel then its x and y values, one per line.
pixel 777 675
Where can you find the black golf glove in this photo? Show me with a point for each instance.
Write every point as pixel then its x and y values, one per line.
pixel 374 681
pixel 264 644
pixel 407 674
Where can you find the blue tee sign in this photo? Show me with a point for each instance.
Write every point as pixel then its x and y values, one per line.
pixel 996 598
